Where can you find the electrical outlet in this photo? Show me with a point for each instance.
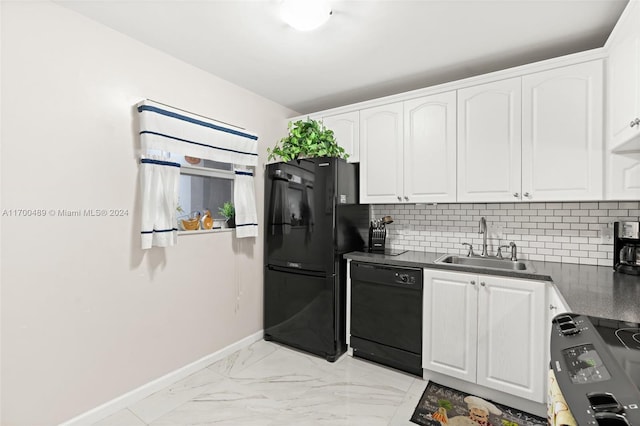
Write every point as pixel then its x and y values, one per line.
pixel 606 233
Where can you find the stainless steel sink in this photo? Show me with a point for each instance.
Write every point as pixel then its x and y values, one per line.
pixel 485 263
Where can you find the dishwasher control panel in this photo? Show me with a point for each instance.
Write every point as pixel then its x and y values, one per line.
pixel 405 278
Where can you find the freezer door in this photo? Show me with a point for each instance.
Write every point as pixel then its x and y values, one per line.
pixel 310 217
pixel 300 310
pixel 299 214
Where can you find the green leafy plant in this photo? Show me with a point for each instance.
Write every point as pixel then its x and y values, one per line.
pixel 306 139
pixel 227 210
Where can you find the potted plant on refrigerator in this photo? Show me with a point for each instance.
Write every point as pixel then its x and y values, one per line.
pixel 306 139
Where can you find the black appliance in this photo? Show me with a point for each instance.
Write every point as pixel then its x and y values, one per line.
pixel 626 247
pixel 596 362
pixel 311 219
pixel 386 315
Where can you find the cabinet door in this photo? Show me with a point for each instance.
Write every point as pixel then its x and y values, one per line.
pixel 511 332
pixel 346 129
pixel 430 149
pixel 449 323
pixel 623 176
pixel 489 141
pixel 381 154
pixel 562 138
pixel 624 80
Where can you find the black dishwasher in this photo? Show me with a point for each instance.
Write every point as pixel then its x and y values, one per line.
pixel 386 315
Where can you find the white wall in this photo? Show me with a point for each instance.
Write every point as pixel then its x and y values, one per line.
pixel 87 315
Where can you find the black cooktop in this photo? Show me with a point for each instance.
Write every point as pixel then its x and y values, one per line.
pixel 623 340
pixel 596 362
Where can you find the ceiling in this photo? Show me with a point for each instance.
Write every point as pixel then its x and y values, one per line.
pixel 366 50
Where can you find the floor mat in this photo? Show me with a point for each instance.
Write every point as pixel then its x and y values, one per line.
pixel 441 405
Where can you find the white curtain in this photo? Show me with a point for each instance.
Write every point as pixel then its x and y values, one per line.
pixel 173 130
pixel 159 182
pixel 167 129
pixel 244 196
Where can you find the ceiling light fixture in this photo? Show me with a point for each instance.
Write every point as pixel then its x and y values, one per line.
pixel 305 15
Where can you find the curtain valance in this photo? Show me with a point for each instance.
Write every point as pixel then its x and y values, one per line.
pixel 170 129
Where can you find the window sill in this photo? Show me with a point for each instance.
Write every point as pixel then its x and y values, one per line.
pixel 205 231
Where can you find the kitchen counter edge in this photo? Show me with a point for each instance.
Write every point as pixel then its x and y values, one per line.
pixel 586 289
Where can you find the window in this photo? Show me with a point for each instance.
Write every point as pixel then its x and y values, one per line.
pixel 204 185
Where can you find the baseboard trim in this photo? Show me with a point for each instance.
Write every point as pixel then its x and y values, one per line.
pixel 108 408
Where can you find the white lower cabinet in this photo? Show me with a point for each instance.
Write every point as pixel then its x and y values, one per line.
pixel 487 330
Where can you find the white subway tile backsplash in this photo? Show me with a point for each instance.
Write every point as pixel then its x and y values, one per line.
pixel 589 219
pixel 588 205
pixel 554 232
pixel 629 205
pixel 579 212
pixel 554 206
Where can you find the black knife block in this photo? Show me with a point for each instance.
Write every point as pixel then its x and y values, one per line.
pixel 377 237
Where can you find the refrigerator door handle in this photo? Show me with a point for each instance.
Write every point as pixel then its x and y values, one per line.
pixel 298 271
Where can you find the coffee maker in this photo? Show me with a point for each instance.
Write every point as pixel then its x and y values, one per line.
pixel 626 247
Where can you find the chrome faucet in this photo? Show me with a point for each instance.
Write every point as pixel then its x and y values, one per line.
pixel 514 251
pixel 483 231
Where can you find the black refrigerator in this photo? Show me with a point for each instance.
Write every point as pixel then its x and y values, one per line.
pixel 312 217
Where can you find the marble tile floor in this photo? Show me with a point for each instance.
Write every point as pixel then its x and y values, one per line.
pixel 272 385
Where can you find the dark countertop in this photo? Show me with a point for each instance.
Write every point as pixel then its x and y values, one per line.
pixel 586 289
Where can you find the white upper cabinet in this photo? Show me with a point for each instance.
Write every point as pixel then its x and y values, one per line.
pixel 408 151
pixel 624 81
pixel 381 156
pixel 623 125
pixel 623 177
pixel 534 138
pixel 489 141
pixel 430 149
pixel 346 129
pixel 562 134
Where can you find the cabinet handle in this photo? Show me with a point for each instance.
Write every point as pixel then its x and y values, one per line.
pixel 552 307
pixel 406 198
pixel 399 198
pixel 516 195
pixel 526 194
pixel 635 122
pixel 482 283
pixel 473 282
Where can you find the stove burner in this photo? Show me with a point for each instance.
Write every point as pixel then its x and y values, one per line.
pixel 629 337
